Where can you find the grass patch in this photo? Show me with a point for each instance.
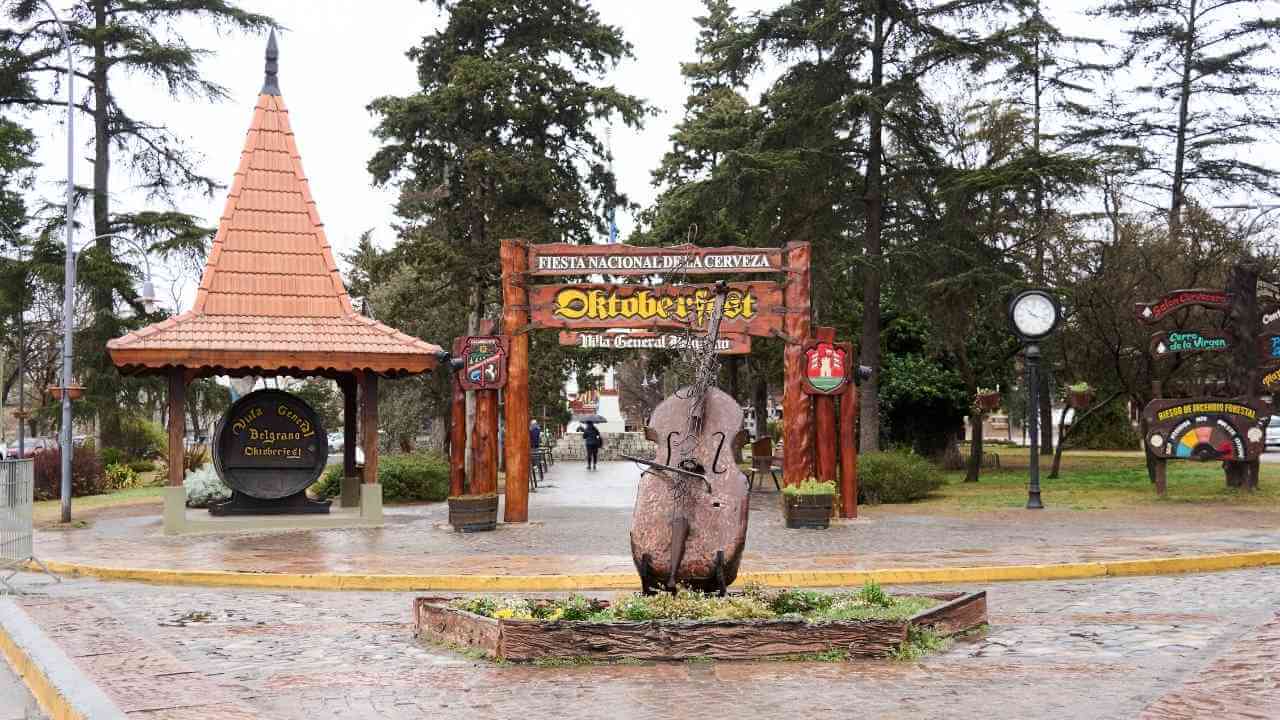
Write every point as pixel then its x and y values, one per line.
pixel 49 511
pixel 1098 480
pixel 920 642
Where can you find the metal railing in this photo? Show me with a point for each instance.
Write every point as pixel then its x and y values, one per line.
pixel 17 493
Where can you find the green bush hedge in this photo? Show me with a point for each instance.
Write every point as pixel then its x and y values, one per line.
pixel 896 476
pixel 413 477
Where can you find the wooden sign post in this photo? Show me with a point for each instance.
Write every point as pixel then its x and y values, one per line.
pixel 484 371
pixel 849 451
pixel 827 366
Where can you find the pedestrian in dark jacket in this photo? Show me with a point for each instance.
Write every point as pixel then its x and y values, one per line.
pixel 535 435
pixel 592 439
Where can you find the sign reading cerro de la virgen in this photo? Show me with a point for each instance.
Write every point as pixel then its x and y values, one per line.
pixel 1181 341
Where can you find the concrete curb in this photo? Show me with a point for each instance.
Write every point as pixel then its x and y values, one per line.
pixel 61 689
pixel 628 581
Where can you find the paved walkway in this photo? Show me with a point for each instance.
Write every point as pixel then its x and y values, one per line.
pixel 1160 647
pixel 580 525
pixel 16 702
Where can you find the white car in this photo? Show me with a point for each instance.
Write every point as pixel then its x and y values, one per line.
pixel 1273 432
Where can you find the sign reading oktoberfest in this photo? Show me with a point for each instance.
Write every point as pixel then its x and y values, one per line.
pixel 566 259
pixel 726 344
pixel 484 360
pixel 826 367
pixel 752 308
pixel 270 445
pixel 1152 312
pixel 1206 429
pixel 1182 341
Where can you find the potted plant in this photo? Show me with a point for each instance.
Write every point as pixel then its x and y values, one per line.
pixel 473 513
pixel 809 504
pixel 987 399
pixel 1079 395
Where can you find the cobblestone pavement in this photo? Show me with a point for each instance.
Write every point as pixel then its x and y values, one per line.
pixel 1156 647
pixel 15 702
pixel 582 515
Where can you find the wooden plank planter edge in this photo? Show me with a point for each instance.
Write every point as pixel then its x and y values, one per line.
pixel 529 640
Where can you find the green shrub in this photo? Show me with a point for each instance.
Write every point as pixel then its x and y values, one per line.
pixel 142 466
pixel 120 477
pixel 412 477
pixel 1106 429
pixel 142 439
pixel 114 456
pixel 895 476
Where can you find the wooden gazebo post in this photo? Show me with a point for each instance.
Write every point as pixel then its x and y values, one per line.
pixel 177 450
pixel 370 502
pixel 350 496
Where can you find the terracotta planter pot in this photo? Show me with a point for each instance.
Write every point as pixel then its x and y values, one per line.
pixel 74 391
pixel 473 513
pixel 808 511
pixel 1080 400
pixel 987 403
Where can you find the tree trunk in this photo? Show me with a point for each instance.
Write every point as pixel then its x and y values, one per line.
pixel 870 350
pixel 1177 193
pixel 975 447
pixel 1243 328
pixel 1057 451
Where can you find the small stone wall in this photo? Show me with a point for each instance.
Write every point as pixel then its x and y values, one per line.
pixel 571 447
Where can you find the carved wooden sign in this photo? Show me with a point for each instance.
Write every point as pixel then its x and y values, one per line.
pixel 484 359
pixel 1272 379
pixel 727 344
pixel 1206 428
pixel 1152 312
pixel 826 367
pixel 1269 349
pixel 270 445
pixel 754 308
pixel 566 259
pixel 1174 342
pixel 1271 317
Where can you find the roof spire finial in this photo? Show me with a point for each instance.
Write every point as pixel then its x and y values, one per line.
pixel 271 84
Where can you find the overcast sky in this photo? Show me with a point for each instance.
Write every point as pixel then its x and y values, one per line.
pixel 337 55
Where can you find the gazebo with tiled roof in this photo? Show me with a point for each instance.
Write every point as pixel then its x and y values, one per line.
pixel 272 302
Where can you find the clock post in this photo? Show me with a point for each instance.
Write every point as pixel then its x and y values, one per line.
pixel 1034 315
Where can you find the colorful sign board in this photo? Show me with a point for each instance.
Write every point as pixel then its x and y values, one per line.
pixel 1152 312
pixel 484 361
pixel 752 308
pixel 1271 317
pixel 1269 349
pixel 826 367
pixel 270 445
pixel 566 259
pixel 1206 429
pixel 726 344
pixel 1272 379
pixel 1174 342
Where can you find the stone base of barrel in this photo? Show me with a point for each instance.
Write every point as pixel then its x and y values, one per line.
pixel 181 520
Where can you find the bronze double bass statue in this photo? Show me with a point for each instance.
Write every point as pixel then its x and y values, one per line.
pixel 690 521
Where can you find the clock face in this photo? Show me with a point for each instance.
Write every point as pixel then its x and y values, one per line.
pixel 1034 315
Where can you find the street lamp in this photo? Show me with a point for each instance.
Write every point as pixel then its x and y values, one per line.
pixel 148 293
pixel 1263 210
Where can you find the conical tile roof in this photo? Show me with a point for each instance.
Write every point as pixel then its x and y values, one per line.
pixel 271 298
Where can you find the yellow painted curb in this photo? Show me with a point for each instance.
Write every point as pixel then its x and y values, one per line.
pixel 627 581
pixel 51 700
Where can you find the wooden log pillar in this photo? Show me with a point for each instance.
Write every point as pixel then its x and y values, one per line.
pixel 826 440
pixel 849 446
pixel 350 495
pixel 797 407
pixel 458 438
pixel 369 425
pixel 515 316
pixel 177 425
pixel 484 444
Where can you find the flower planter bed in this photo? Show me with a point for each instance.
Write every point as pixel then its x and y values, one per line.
pixel 808 511
pixel 522 640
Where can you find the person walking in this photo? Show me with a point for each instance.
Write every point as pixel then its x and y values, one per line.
pixel 592 439
pixel 535 435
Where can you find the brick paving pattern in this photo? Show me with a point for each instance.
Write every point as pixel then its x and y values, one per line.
pixel 580 521
pixel 1158 647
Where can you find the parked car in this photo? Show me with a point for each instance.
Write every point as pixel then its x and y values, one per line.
pixel 1273 432
pixel 34 445
pixel 4 452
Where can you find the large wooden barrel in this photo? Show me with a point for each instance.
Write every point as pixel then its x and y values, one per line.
pixel 270 445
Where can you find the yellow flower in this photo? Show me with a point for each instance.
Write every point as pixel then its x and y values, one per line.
pixel 504 614
pixel 556 614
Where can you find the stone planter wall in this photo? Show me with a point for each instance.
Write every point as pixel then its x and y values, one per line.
pixel 571 447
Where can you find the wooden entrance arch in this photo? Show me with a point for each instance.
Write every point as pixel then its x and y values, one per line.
pixel 766 308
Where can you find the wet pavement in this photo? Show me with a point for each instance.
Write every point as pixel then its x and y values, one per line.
pixel 16 702
pixel 579 525
pixel 1189 646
